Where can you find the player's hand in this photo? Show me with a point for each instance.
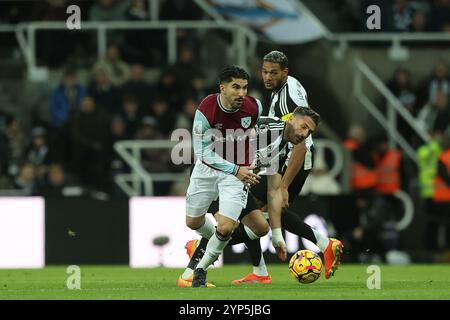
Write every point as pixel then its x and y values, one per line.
pixel 285 195
pixel 279 244
pixel 281 251
pixel 246 175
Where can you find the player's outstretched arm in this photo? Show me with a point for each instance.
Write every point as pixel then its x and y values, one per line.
pixel 274 202
pixel 295 163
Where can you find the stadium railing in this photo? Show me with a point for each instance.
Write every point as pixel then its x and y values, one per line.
pixel 130 151
pixel 395 108
pixel 396 50
pixel 244 40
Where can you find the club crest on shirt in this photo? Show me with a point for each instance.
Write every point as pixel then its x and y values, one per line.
pixel 246 122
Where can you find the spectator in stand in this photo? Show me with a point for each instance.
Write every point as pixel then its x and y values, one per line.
pixel 118 165
pixel 90 135
pixel 439 216
pixel 65 99
pixel 137 87
pixel 105 94
pixel 17 144
pixel 164 115
pixel 118 70
pixel 26 180
pixel 182 10
pixel 419 22
pixel 38 153
pixel 436 116
pixel 168 89
pixel 55 182
pixel 439 81
pixel 186 66
pixel 402 88
pixel 136 47
pixel 5 156
pixel 440 16
pixel 131 116
pixel 403 12
pixel 137 11
pixel 108 10
pixel 198 88
pixel 185 119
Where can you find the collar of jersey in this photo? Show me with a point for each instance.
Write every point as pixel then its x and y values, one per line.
pixel 219 102
pixel 281 88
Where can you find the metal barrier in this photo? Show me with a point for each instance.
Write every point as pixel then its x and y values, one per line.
pixel 244 39
pixel 130 151
pixel 396 51
pixel 394 106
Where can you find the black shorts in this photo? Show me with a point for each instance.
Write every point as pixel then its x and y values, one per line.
pixel 260 190
pixel 252 204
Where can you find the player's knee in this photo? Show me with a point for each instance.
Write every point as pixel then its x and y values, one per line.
pixel 225 229
pixel 194 223
pixel 262 230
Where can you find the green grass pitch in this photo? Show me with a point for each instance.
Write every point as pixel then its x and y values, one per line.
pixel 121 282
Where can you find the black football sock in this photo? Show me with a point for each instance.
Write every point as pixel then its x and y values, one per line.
pixel 294 224
pixel 239 235
pixel 254 249
pixel 198 254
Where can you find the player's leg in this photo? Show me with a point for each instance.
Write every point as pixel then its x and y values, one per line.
pixel 201 192
pixel 260 273
pixel 232 199
pixel 253 225
pixel 332 248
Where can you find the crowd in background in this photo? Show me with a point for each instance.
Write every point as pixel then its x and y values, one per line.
pixel 397 15
pixel 74 145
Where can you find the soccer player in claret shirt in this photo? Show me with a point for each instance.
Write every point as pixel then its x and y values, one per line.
pixel 287 94
pixel 221 129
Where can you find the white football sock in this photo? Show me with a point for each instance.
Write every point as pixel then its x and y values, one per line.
pixel 213 250
pixel 207 229
pixel 187 273
pixel 261 269
pixel 250 233
pixel 322 241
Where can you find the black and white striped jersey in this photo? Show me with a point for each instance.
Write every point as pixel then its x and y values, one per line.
pixel 271 149
pixel 283 102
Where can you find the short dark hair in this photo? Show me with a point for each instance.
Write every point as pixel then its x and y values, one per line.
pixel 277 57
pixel 306 111
pixel 233 72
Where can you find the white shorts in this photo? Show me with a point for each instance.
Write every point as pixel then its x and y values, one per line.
pixel 207 184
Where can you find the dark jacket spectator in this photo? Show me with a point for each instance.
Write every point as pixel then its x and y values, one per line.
pixel 55 182
pixel 164 115
pixel 65 99
pixel 131 116
pixel 137 87
pixel 90 135
pixel 106 95
pixel 439 81
pixel 440 16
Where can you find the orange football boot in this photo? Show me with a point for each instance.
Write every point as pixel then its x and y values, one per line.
pixel 253 278
pixel 190 247
pixel 332 257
